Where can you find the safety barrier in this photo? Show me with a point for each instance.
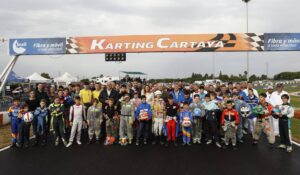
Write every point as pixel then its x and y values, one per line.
pixel 297 114
pixel 4 119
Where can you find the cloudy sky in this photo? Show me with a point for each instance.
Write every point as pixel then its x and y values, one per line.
pixel 57 18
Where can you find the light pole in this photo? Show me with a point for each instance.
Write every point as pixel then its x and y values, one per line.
pixel 214 64
pixel 246 1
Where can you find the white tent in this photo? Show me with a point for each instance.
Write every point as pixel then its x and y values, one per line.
pixel 66 77
pixel 35 77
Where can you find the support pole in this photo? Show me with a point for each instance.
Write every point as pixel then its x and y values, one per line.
pixel 7 67
pixel 248 62
pixel 6 72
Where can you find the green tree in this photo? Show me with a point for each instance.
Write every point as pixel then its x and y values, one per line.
pixel 85 80
pixel 45 75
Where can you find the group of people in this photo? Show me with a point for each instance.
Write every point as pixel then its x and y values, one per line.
pixel 153 112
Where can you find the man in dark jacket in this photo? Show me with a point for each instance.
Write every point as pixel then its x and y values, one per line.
pixel 41 94
pixel 107 93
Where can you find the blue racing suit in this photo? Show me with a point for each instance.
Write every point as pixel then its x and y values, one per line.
pixel 42 116
pixel 13 113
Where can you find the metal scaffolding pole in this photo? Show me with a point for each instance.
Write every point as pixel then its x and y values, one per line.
pixel 6 71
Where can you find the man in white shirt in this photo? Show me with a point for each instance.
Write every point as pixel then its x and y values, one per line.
pixel 275 100
pixel 269 93
pixel 250 86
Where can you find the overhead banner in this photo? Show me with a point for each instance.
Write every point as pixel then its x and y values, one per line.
pixel 230 42
pixel 37 46
pixel 166 43
pixel 282 41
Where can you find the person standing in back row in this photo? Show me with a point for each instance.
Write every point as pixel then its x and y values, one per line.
pixel 275 101
pixel 86 96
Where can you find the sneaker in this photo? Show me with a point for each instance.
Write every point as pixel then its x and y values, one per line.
pixel 208 142
pixel 153 142
pixel 189 144
pixel 145 142
pixel 281 146
pixel 79 142
pixel 241 141
pixel 255 142
pixel 289 149
pixel 56 142
pixel 245 132
pixel 175 144
pixel 130 141
pixel 195 141
pixel 106 143
pixel 137 143
pixel 218 145
pixel 13 145
pixel 36 143
pixel 43 143
pixel 65 142
pixel 199 141
pixel 167 144
pixel 19 145
pixel 69 144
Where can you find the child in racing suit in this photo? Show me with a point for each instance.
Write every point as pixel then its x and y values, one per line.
pixel 186 121
pixel 285 115
pixel 126 120
pixel 14 113
pixel 143 115
pixel 56 113
pixel 172 110
pixel 158 117
pixel 229 122
pixel 198 113
pixel 94 119
pixel 111 114
pixel 211 121
pixel 42 115
pixel 263 111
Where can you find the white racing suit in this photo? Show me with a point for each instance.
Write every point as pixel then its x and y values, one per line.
pixel 77 116
pixel 158 111
pixel 126 120
pixel 94 118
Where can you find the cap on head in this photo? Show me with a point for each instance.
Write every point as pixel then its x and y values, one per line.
pixel 157 93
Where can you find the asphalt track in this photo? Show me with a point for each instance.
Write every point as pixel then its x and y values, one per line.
pixel 149 159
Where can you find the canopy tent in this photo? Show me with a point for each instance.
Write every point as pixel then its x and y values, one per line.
pixel 66 77
pixel 37 78
pixel 14 78
pixel 130 74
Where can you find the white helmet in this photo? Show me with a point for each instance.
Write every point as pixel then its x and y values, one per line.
pixel 186 122
pixel 245 111
pixel 28 117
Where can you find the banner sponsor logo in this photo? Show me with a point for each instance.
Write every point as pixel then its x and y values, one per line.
pixel 38 46
pixel 282 41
